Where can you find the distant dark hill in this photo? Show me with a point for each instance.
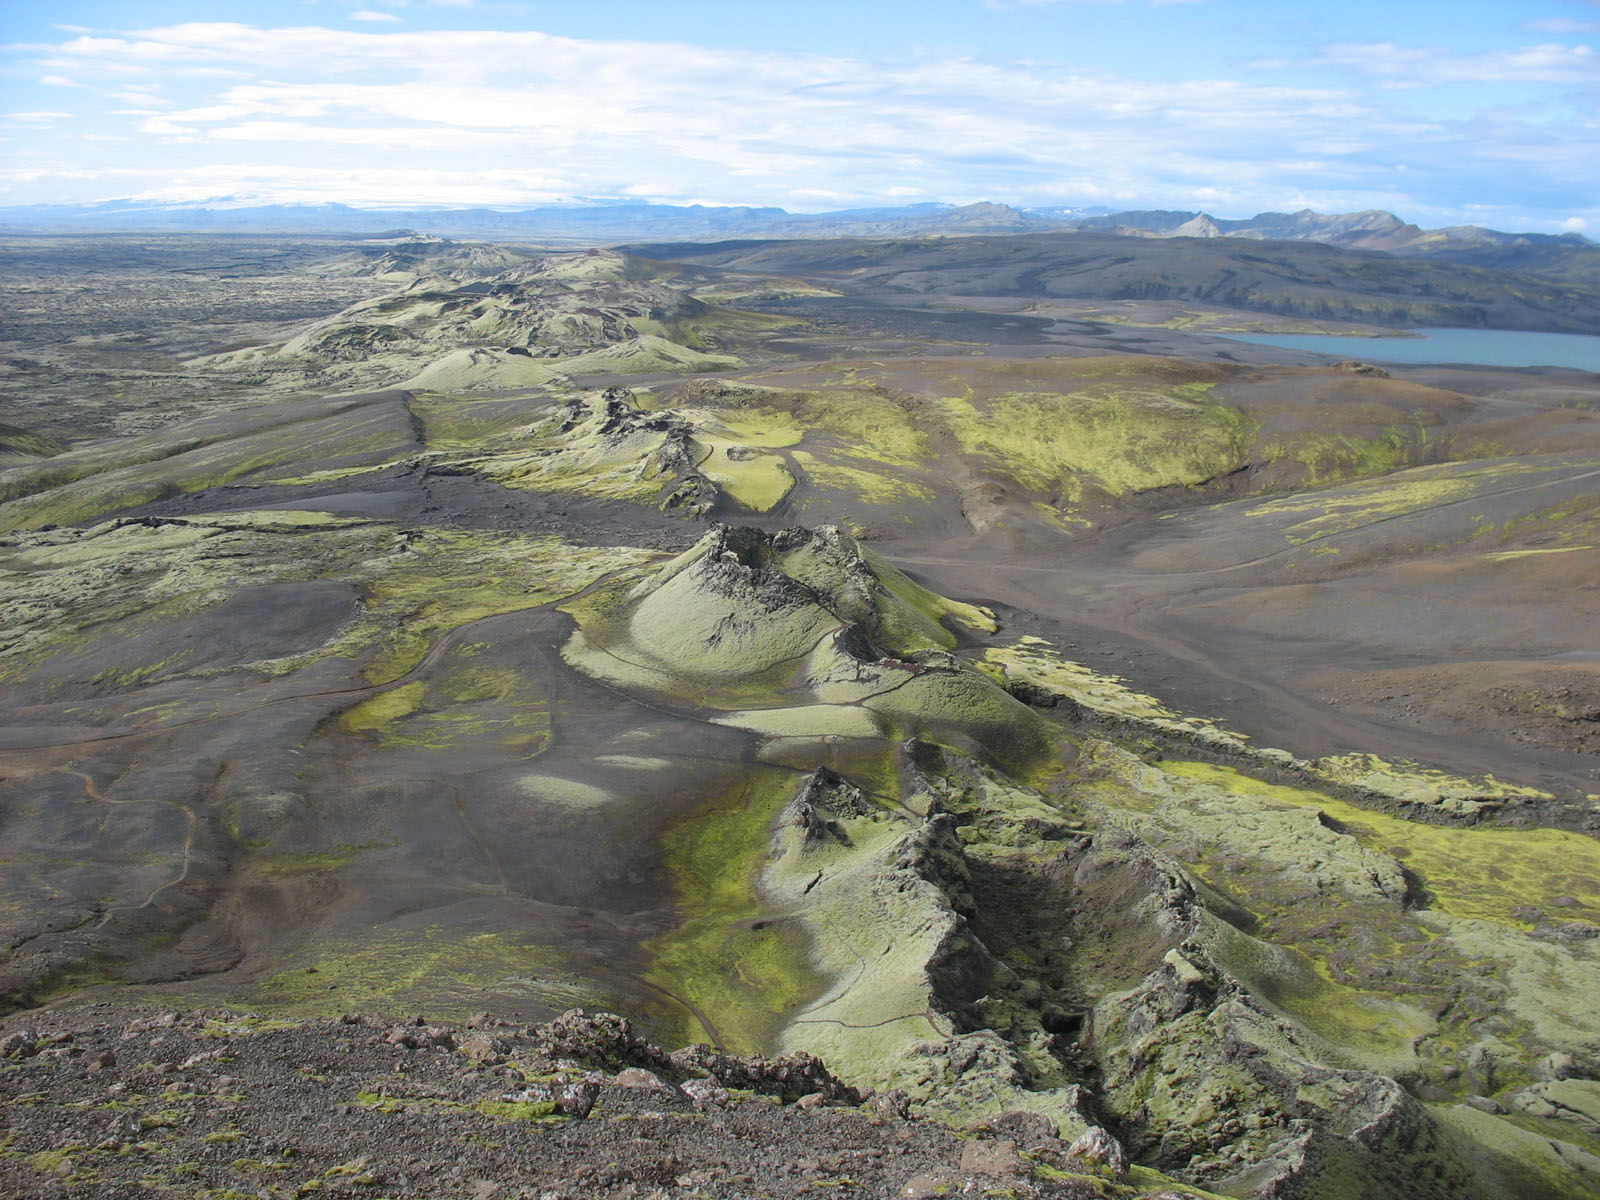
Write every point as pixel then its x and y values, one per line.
pixel 1302 279
pixel 1570 257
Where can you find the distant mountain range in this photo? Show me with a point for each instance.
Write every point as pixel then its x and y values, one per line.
pixel 1568 256
pixel 566 222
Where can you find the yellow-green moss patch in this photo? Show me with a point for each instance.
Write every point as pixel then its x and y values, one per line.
pixel 1422 785
pixel 1036 663
pixel 1482 873
pixel 1113 439
pixel 735 970
pixel 755 481
pixel 448 971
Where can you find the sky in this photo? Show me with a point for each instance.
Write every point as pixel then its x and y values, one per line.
pixel 1474 111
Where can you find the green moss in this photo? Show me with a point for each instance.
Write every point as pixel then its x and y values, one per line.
pixel 1518 1162
pixel 868 422
pixel 449 971
pixel 379 712
pixel 1111 439
pixel 482 704
pixel 1576 520
pixel 934 610
pixel 78 486
pixel 1509 555
pixel 807 722
pixel 882 485
pixel 283 866
pixel 315 478
pixel 945 705
pixel 72 588
pixel 1325 513
pixel 1037 664
pixel 1420 785
pixel 1480 873
pixel 1330 457
pixel 76 978
pixel 54 1162
pixel 352 1174
pixel 759 427
pixel 739 974
pixel 755 482
pixel 719 628
pixel 448 579
pixel 380 1102
pixel 519 1110
pixel 458 422
pixel 1404 973
pixel 1369 1027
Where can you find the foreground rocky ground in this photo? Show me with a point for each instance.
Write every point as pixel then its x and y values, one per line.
pixel 108 1103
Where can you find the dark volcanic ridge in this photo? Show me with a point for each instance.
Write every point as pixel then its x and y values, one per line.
pixel 1300 279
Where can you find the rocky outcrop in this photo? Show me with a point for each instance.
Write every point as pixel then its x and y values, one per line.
pixel 1098 1006
pixel 822 801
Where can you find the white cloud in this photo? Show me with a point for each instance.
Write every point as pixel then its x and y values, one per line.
pixel 138 96
pixel 1413 66
pixel 59 81
pixel 367 14
pixel 374 187
pixel 412 117
pixel 1562 25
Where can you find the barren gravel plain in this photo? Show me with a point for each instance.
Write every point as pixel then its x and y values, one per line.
pixel 1034 745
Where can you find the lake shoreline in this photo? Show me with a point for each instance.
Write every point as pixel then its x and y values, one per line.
pixel 1478 347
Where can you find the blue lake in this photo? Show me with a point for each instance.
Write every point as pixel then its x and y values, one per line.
pixel 1486 347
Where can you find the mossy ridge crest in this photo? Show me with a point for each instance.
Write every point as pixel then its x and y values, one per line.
pixel 609 445
pixel 435 581
pixel 880 888
pixel 1033 669
pixel 1331 511
pixel 934 990
pixel 497 323
pixel 806 623
pixel 601 444
pixel 1475 872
